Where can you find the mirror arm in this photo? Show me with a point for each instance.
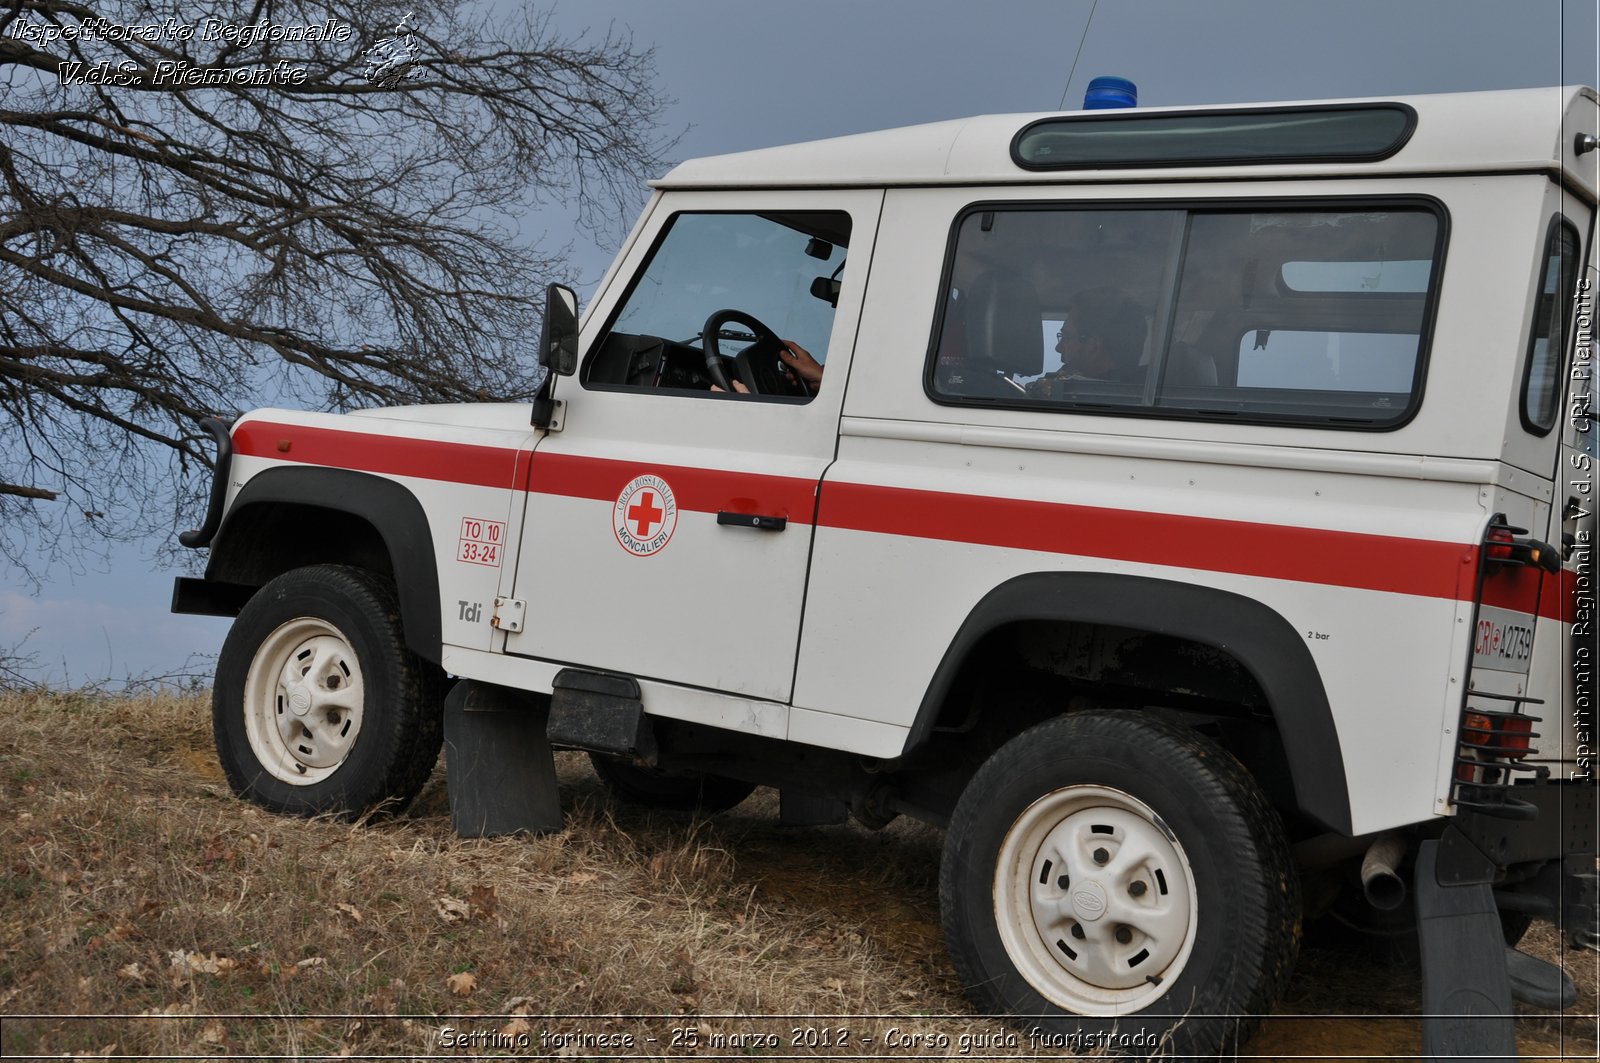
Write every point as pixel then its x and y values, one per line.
pixel 544 402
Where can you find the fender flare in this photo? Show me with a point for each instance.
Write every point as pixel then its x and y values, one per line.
pixel 1268 646
pixel 391 509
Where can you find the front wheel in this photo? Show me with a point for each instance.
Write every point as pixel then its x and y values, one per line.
pixel 319 706
pixel 1121 882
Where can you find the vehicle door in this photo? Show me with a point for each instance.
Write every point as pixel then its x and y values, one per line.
pixel 669 521
pixel 1558 392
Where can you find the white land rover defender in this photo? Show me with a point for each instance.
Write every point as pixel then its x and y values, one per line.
pixel 1192 513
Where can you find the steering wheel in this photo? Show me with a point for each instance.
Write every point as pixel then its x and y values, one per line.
pixel 758 365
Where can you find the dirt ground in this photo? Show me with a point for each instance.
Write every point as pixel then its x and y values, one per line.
pixel 144 911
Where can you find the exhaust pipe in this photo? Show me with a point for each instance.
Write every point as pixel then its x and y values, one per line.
pixel 1380 882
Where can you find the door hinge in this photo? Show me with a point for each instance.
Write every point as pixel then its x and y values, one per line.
pixel 508 613
pixel 549 414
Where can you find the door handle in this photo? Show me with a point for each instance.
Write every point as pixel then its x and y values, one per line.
pixel 752 520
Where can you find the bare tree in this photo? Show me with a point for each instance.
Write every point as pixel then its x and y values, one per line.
pixel 203 204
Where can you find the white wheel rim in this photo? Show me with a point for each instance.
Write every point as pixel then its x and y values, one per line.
pixel 303 701
pixel 1095 901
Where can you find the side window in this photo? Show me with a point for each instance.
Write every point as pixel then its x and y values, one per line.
pixel 756 280
pixel 1274 314
pixel 1051 304
pixel 1541 382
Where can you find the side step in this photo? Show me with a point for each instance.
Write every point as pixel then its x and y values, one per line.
pixel 498 764
pixel 1466 992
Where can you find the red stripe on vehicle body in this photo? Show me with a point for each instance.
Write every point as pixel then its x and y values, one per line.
pixel 696 490
pixel 428 459
pixel 1516 588
pixel 1308 555
pixel 1525 589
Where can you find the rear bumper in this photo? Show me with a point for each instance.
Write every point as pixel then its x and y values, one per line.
pixel 1564 826
pixel 1543 866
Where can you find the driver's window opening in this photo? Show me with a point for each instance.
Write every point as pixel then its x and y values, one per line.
pixel 741 304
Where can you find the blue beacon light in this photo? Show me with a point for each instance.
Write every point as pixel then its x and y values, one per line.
pixel 1107 92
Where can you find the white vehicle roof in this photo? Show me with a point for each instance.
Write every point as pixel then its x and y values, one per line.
pixel 1511 130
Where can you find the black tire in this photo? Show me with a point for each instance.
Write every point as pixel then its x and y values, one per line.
pixel 306 744
pixel 1070 806
pixel 686 792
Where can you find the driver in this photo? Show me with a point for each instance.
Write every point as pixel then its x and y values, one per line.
pixel 798 361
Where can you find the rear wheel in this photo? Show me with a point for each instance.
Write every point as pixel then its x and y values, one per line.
pixel 682 792
pixel 319 706
pixel 1121 881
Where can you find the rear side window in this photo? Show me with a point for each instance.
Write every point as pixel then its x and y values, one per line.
pixel 1541 382
pixel 1288 313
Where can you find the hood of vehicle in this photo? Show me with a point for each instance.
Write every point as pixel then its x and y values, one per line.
pixel 512 416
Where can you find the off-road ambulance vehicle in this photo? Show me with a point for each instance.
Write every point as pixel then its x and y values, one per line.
pixel 1191 510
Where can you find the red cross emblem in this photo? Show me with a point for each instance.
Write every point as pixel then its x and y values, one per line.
pixel 645 515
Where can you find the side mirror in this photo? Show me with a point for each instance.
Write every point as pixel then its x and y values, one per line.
pixel 558 339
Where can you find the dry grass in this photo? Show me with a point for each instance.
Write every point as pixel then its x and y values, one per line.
pixel 146 911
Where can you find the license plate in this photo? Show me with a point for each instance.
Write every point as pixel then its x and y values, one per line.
pixel 1503 641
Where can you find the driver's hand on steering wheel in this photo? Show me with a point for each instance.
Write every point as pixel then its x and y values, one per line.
pixel 798 361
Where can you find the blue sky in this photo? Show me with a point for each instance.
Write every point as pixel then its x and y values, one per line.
pixel 753 73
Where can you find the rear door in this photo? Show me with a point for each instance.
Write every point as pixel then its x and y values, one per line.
pixel 1560 389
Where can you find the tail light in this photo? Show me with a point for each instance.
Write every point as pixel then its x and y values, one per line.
pixel 1505 545
pixel 1499 735
pixel 1489 752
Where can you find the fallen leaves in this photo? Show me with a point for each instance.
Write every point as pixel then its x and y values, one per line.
pixel 451 910
pixel 349 909
pixel 201 963
pixel 462 983
pixel 385 1000
pixel 481 903
pixel 217 851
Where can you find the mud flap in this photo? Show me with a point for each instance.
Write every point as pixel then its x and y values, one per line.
pixel 499 768
pixel 1466 993
pixel 602 713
